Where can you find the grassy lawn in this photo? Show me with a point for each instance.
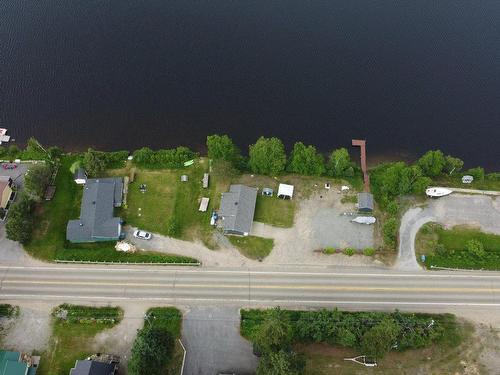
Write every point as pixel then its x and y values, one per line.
pixel 253 247
pixel 52 217
pixel 275 211
pixel 170 319
pixel 72 337
pixel 447 248
pixel 151 210
pixel 456 181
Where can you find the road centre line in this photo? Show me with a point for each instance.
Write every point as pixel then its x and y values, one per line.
pixel 255 286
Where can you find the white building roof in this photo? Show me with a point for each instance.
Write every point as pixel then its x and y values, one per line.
pixel 285 190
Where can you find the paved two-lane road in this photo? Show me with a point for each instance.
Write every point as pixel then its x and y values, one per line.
pixel 355 288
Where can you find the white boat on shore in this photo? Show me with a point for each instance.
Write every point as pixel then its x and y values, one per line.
pixel 368 220
pixel 437 192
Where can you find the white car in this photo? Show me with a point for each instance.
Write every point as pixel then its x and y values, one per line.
pixel 142 235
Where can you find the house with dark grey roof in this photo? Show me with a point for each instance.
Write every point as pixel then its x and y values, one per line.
pixel 365 202
pixel 88 367
pixel 237 209
pixel 97 221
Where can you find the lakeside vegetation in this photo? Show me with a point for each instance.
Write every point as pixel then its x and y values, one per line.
pixel 73 330
pixel 459 247
pixel 156 349
pixel 280 336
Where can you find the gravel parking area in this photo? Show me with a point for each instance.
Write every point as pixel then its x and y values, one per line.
pixel 214 344
pixel 319 223
pixel 456 209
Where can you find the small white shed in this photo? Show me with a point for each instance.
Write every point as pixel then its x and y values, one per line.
pixel 285 191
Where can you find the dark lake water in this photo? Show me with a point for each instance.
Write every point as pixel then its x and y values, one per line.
pixel 120 74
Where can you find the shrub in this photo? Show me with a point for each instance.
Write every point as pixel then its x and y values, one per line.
pixel 20 223
pixel 392 208
pixel 369 251
pixel 390 232
pixel 329 250
pixel 349 251
pixel 440 249
pixel 475 247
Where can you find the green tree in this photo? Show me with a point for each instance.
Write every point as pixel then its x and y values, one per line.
pixel 152 351
pixel 35 151
pixel 477 173
pixel 475 247
pixel 380 338
pixel 94 162
pixel 36 181
pixel 339 164
pixel 281 363
pixel 452 164
pixel 275 333
pixel 20 223
pixel 267 156
pixel 432 163
pixel 221 147
pixel 306 160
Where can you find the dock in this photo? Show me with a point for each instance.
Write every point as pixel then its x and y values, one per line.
pixel 362 144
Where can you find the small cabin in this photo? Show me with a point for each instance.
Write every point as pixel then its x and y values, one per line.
pixel 80 176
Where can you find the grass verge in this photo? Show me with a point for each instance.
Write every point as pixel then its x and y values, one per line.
pixel 447 248
pixel 73 328
pixel 253 247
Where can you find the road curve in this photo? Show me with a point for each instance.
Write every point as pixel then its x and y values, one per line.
pixel 312 288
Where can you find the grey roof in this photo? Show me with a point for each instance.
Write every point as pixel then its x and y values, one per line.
pixel 92 368
pixel 237 208
pixel 80 174
pixel 365 201
pixel 96 222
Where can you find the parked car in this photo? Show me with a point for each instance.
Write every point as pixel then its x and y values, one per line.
pixel 9 166
pixel 142 235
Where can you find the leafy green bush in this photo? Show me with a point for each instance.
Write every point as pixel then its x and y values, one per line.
pixel 392 208
pixel 349 251
pixel 166 158
pixel 369 251
pixel 475 247
pixel 376 332
pixel 390 230
pixel 329 250
pixel 20 222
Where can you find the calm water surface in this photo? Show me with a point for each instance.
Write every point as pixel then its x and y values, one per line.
pixel 407 75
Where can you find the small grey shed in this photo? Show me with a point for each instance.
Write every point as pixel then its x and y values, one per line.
pixel 365 202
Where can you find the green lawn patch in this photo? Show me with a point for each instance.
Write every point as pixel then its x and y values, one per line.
pixel 253 247
pixel 52 217
pixel 448 248
pixel 152 209
pixel 73 328
pixel 275 211
pixel 105 252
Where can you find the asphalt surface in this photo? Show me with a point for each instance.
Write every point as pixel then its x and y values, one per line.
pixel 214 345
pixel 355 288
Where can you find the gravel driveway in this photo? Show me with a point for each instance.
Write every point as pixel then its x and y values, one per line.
pixel 456 209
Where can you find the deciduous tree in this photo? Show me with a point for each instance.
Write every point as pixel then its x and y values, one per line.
pixel 340 164
pixel 267 156
pixel 432 163
pixel 380 338
pixel 306 160
pixel 93 162
pixel 36 181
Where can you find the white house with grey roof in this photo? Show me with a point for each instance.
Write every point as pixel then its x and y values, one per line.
pixel 237 208
pixel 97 221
